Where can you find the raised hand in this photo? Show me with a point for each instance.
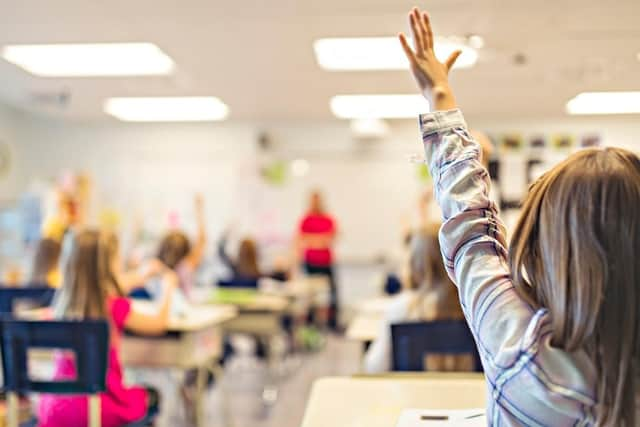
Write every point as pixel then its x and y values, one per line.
pixel 431 74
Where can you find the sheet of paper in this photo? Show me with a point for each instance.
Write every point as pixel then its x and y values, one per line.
pixel 444 417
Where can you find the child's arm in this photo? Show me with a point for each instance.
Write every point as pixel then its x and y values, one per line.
pixel 224 256
pixel 156 324
pixel 197 251
pixel 472 236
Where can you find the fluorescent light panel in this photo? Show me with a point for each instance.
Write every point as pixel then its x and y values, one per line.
pixel 378 106
pixel 605 103
pixel 90 60
pixel 171 109
pixel 381 53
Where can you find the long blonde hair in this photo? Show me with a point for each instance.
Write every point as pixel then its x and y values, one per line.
pixel 427 275
pixel 87 262
pixel 574 253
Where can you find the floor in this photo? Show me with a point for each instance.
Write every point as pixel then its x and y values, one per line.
pixel 239 399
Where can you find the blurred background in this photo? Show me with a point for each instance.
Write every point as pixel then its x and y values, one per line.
pixel 117 113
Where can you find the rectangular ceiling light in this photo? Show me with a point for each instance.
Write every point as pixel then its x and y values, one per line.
pixel 378 106
pixel 90 60
pixel 605 103
pixel 381 53
pixel 170 109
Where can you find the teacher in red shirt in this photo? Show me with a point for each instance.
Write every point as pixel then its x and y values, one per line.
pixel 316 236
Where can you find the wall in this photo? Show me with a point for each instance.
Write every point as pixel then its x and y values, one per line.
pixel 10 152
pixel 149 170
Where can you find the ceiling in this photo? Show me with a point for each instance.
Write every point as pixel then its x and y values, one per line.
pixel 257 55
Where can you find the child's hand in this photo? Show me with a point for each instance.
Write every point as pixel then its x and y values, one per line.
pixel 432 75
pixel 199 203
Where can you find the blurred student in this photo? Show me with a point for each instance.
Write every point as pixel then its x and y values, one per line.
pixel 90 290
pixel 246 265
pixel 178 253
pixel 556 317
pixel 316 237
pixel 45 270
pixel 430 296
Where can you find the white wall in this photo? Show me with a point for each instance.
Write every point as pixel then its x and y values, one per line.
pixel 152 169
pixel 10 125
pixel 155 168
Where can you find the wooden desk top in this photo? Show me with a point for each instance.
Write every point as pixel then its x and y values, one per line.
pixel 378 401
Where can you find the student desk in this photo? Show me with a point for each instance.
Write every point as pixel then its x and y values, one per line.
pixel 366 324
pixel 258 313
pixel 193 341
pixel 377 401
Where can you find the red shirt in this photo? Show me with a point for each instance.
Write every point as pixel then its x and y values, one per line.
pixel 319 224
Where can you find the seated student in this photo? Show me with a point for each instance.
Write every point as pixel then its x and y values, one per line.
pixel 245 266
pixel 430 296
pixel 178 254
pixel 91 291
pixel 556 317
pixel 45 269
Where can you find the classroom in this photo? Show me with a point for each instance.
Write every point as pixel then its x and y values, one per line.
pixel 296 213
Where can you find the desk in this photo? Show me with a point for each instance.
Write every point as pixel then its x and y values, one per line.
pixel 258 313
pixel 193 341
pixel 366 324
pixel 374 306
pixel 377 401
pixel 364 328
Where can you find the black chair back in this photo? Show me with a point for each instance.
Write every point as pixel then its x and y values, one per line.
pixel 411 342
pixel 87 339
pixel 40 296
pixel 239 283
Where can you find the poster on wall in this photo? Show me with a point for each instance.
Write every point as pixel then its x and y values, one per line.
pixel 589 141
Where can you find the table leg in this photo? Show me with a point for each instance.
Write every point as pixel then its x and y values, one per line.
pixel 201 378
pixel 217 371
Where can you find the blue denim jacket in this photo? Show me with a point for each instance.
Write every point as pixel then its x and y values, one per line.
pixel 530 382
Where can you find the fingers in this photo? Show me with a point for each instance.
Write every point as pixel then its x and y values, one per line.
pixel 417 31
pixel 452 59
pixel 407 49
pixel 427 28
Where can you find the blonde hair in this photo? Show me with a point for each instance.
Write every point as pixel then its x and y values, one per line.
pixel 87 260
pixel 574 253
pixel 427 275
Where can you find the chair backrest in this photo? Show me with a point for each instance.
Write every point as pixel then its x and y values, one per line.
pixel 37 295
pixel 411 342
pixel 246 283
pixel 87 339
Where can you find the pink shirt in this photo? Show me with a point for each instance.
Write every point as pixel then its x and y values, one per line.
pixel 318 224
pixel 120 404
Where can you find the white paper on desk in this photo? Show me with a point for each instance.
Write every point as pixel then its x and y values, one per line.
pixel 417 418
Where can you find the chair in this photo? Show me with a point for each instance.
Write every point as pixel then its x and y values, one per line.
pixel 38 295
pixel 88 339
pixel 248 283
pixel 411 342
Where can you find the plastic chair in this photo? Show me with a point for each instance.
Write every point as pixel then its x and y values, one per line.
pixel 248 283
pixel 38 295
pixel 88 339
pixel 411 342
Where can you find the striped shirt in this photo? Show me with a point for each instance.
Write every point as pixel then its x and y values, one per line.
pixel 530 382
